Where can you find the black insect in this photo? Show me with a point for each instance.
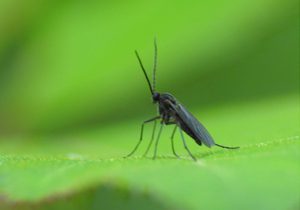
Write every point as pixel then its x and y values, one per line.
pixel 172 112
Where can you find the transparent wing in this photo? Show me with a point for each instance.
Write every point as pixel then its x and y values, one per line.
pixel 193 127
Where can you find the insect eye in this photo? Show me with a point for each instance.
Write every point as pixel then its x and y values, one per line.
pixel 155 96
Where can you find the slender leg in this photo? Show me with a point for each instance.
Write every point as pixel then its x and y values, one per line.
pixel 156 143
pixel 185 146
pixel 172 136
pixel 141 137
pixel 152 138
pixel 172 141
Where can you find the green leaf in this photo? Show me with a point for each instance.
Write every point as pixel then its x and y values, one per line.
pixel 261 174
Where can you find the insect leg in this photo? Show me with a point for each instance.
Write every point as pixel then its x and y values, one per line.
pixel 172 141
pixel 156 143
pixel 185 146
pixel 172 136
pixel 141 137
pixel 152 138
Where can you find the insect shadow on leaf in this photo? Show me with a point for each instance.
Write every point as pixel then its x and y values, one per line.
pixel 172 112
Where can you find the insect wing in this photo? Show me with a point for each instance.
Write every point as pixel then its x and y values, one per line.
pixel 195 128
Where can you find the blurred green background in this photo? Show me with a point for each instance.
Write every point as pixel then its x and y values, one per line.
pixel 71 88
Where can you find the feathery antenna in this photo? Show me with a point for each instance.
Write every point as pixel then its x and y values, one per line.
pixel 147 78
pixel 154 66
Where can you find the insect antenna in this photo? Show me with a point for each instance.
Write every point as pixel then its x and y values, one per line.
pixel 145 73
pixel 226 147
pixel 154 65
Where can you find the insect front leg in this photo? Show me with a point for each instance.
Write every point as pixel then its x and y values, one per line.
pixel 141 136
pixel 152 138
pixel 185 145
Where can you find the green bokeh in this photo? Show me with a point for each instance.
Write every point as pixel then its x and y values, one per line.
pixel 68 64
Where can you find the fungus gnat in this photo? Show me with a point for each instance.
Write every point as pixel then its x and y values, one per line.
pixel 171 112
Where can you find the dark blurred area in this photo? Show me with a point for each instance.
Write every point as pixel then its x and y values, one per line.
pixel 66 65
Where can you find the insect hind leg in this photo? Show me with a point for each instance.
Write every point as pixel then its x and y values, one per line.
pixel 185 145
pixel 172 142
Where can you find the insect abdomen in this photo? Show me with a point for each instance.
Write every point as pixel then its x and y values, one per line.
pixel 188 131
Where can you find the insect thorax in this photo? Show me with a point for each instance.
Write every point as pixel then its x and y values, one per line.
pixel 165 107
